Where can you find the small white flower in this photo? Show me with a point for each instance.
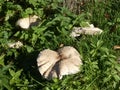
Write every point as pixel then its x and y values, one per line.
pixel 54 64
pixel 17 44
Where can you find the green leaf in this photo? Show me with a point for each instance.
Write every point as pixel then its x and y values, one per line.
pixel 9 14
pixel 15 76
pixel 84 24
pixel 5 82
pixel 2 60
pixel 29 11
pixel 18 73
pixel 54 5
pixel 99 43
pixel 104 49
pixel 29 48
pixel 17 33
pixel 34 39
pixel 107 79
pixel 39 12
pixel 39 30
pixel 12 73
pixel 33 2
pixel 117 66
pixel 118 20
pixel 117 78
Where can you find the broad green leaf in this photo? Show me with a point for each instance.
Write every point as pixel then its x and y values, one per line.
pixel 29 48
pixel 54 5
pixel 117 78
pixel 29 11
pixel 104 49
pixel 17 33
pixel 107 79
pixel 5 82
pixel 15 78
pixel 9 14
pixel 33 2
pixel 18 73
pixel 39 12
pixel 117 66
pixel 84 24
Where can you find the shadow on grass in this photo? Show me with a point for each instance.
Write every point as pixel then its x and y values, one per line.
pixel 28 62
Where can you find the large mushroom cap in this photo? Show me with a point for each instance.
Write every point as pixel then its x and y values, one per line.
pixel 54 64
pixel 46 61
pixel 70 61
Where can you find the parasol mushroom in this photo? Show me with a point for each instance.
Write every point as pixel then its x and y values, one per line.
pixel 56 64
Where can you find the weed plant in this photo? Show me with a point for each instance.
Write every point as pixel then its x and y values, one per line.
pixel 100 70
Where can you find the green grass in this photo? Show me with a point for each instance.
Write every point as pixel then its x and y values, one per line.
pixel 100 70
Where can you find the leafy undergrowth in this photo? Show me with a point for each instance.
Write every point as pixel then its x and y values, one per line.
pixel 18 69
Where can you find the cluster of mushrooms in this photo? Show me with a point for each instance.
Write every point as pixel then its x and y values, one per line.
pixel 34 20
pixel 55 64
pixel 26 23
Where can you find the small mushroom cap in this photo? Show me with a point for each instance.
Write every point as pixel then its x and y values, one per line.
pixel 88 30
pixel 46 61
pixel 25 23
